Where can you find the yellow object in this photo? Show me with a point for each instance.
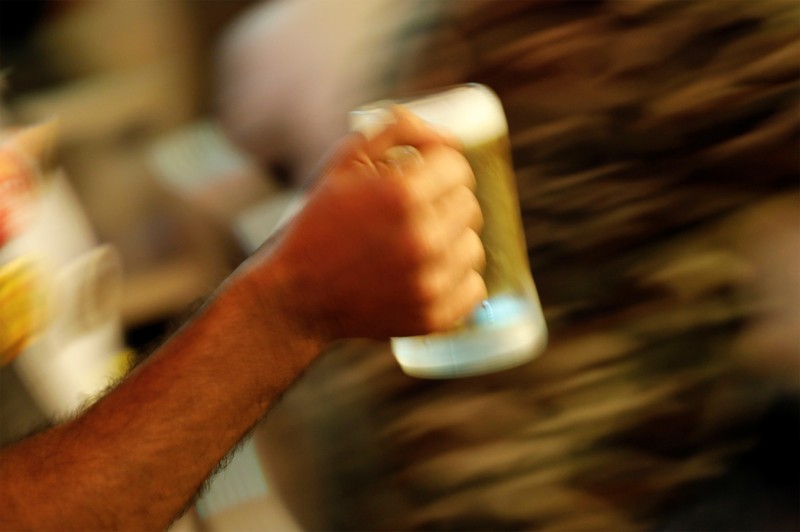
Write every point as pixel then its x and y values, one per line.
pixel 121 363
pixel 21 307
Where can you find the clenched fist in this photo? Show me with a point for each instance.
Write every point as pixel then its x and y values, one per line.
pixel 387 244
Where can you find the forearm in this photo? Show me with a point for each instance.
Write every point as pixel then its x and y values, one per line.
pixel 138 455
pixel 370 238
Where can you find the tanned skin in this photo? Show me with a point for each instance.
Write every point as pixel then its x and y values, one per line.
pixel 381 249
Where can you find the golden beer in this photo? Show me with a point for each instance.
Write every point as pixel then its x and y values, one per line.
pixel 507 329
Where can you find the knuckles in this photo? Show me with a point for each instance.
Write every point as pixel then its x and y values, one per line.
pixel 450 160
pixel 426 288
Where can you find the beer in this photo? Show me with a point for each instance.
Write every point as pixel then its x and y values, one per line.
pixel 507 328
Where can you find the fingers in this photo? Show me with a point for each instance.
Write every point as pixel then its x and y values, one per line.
pixel 448 311
pixel 424 161
pixel 440 166
pixel 469 253
pixel 451 287
pixel 440 178
pixel 470 292
pixel 444 170
pixel 406 129
pixel 446 221
pixel 457 210
pixel 409 144
pixel 465 257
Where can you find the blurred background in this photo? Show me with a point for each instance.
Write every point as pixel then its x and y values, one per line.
pixel 656 149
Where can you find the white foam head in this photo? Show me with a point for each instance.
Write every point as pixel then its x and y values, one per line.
pixel 473 113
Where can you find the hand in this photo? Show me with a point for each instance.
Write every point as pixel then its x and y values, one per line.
pixel 382 248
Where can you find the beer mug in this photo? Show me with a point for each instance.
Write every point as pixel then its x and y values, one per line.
pixel 507 329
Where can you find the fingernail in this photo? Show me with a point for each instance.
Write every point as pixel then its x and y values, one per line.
pixel 402 158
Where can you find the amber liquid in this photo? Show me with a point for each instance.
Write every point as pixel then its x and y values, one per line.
pixel 507 268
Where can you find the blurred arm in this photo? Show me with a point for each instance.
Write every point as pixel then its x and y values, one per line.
pixel 373 236
pixel 137 457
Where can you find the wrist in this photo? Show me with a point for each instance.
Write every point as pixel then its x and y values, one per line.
pixel 262 294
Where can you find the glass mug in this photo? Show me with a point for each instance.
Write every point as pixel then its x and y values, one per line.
pixel 507 329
